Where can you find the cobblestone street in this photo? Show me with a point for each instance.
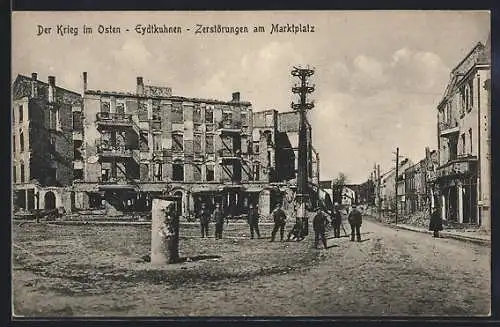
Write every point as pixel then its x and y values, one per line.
pixel 391 272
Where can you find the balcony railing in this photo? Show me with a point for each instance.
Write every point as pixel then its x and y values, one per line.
pixel 462 165
pixel 226 153
pixel 156 125
pixel 448 127
pixel 109 150
pixel 118 117
pixel 229 125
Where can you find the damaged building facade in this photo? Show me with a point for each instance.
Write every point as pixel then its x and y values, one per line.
pixel 43 128
pixel 461 183
pixel 150 142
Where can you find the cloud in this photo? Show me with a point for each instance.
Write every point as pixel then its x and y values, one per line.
pixel 133 53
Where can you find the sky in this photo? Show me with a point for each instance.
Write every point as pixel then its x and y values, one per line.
pixel 379 75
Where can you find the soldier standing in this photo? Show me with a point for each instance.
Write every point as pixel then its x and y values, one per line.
pixel 204 216
pixel 319 224
pixel 279 218
pixel 253 220
pixel 219 221
pixel 336 220
pixel 355 220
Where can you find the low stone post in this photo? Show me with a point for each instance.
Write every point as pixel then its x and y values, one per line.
pixel 164 232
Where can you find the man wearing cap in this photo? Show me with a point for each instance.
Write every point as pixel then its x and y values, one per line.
pixel 355 220
pixel 336 220
pixel 279 218
pixel 319 224
pixel 204 217
pixel 253 220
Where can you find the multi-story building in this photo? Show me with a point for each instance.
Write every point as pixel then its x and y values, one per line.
pixel 388 187
pixel 418 196
pixel 150 142
pixel 44 119
pixel 462 178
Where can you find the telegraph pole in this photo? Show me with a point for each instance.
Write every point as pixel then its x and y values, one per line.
pixel 302 195
pixel 378 194
pixel 397 171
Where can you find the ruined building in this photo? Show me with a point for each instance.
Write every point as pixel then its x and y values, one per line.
pixel 148 142
pixel 462 180
pixel 43 126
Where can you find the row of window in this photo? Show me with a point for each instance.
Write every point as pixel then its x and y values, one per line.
pixel 465 102
pixel 177 172
pixel 177 113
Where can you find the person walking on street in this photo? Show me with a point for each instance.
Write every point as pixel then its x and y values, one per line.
pixel 355 220
pixel 253 220
pixel 319 225
pixel 218 217
pixel 336 220
pixel 279 218
pixel 436 223
pixel 204 217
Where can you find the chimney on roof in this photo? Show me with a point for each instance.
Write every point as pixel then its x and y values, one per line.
pixel 34 88
pixel 52 88
pixel 84 77
pixel 427 153
pixel 236 96
pixel 140 86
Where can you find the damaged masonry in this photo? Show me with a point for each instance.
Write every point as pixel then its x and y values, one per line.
pixel 112 152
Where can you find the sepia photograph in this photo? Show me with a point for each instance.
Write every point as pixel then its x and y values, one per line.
pixel 251 164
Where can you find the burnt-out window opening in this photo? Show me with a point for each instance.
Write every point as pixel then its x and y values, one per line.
pixel 177 142
pixel 197 173
pixel 53 117
pixel 22 172
pixel 244 145
pixel 144 171
pixel 158 171
pixel 209 173
pixel 77 152
pixel 78 174
pixel 462 146
pixel 197 114
pixel 156 142
pixel 21 113
pixel 142 111
pixel 77 121
pixel 120 108
pixel 177 113
pixel 227 116
pixel 21 141
pixel 209 144
pixel 471 147
pixel 256 171
pixel 256 147
pixel 178 172
pixel 13 143
pixel 197 143
pixel 209 115
pixel 14 174
pixel 156 110
pixel 143 140
pixel 244 119
pixel 105 106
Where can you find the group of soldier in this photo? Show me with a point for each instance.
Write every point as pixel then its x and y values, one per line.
pixel 322 218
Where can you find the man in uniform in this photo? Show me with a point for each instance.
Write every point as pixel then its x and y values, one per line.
pixel 279 218
pixel 355 219
pixel 253 220
pixel 218 217
pixel 204 217
pixel 319 225
pixel 336 220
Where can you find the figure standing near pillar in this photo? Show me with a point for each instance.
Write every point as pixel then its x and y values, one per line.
pixel 204 217
pixel 218 217
pixel 253 220
pixel 436 223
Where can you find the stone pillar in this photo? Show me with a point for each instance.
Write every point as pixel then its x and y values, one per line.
pixel 443 207
pixel 164 234
pixel 460 203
